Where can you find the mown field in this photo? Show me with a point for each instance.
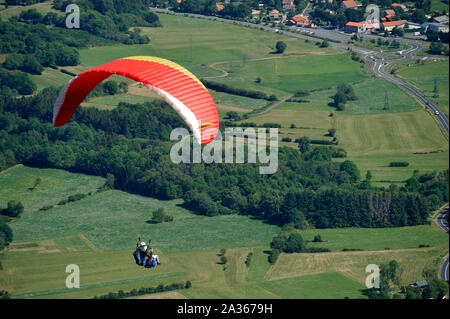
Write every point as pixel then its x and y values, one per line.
pixel 98 234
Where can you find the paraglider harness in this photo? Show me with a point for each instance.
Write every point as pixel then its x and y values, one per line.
pixel 144 257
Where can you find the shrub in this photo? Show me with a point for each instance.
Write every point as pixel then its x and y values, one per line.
pixel 398 164
pixel 76 197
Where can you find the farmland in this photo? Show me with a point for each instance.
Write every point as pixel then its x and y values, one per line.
pixel 98 234
pixel 99 231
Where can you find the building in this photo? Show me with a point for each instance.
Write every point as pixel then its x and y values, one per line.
pixel 356 27
pixel 349 4
pixel 276 16
pixel 420 284
pixel 411 26
pixel 299 20
pixel 389 25
pixel 288 5
pixel 399 5
pixel 441 19
pixel 220 6
pixel 389 14
pixel 433 27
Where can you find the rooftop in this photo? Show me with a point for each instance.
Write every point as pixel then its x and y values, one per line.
pixel 393 23
pixel 349 4
pixel 355 24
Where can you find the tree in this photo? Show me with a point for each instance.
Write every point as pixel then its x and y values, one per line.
pixel 304 144
pixel 331 132
pixel 110 87
pixel 430 291
pixel 418 16
pixel 442 288
pixel 158 215
pixel 339 98
pixel 351 169
pixel 436 48
pixel 14 209
pixel 317 239
pixel 324 44
pixel 280 46
pixel 223 260
pixel 397 31
pixel 295 243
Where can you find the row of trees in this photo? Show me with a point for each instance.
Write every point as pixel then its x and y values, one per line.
pixel 145 291
pixel 131 144
pixel 221 87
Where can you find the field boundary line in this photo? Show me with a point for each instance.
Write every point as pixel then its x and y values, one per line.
pixel 9 168
pixel 92 286
pixel 88 242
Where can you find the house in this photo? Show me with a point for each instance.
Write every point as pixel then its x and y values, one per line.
pixel 356 27
pixel 420 284
pixel 371 27
pixel 255 13
pixel 299 20
pixel 349 4
pixel 288 5
pixel 276 16
pixel 411 26
pixel 389 25
pixel 433 27
pixel 389 14
pixel 220 6
pixel 441 19
pixel 399 5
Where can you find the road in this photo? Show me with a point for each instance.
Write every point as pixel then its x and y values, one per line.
pixel 379 69
pixel 442 221
pixel 380 64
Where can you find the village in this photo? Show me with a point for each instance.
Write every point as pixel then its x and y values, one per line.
pixel 415 19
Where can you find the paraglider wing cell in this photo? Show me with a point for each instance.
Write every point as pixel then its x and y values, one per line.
pixel 176 85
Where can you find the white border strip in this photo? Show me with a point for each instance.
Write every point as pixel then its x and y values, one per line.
pixel 186 114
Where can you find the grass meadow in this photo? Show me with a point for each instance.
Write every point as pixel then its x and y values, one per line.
pixel 98 233
pixel 422 76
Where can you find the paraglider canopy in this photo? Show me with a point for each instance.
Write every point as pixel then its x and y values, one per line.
pixel 176 85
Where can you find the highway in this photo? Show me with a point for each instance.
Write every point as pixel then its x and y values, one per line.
pixel 379 69
pixel 442 221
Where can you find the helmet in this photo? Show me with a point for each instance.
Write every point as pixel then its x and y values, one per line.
pixel 142 243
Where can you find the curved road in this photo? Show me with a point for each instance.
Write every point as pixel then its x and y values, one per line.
pixel 442 221
pixel 379 69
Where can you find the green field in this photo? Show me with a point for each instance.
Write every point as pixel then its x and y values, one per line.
pixel 423 76
pixel 50 77
pixel 55 185
pixel 376 238
pixel 321 286
pixel 116 218
pixel 11 11
pixel 439 5
pixel 98 234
